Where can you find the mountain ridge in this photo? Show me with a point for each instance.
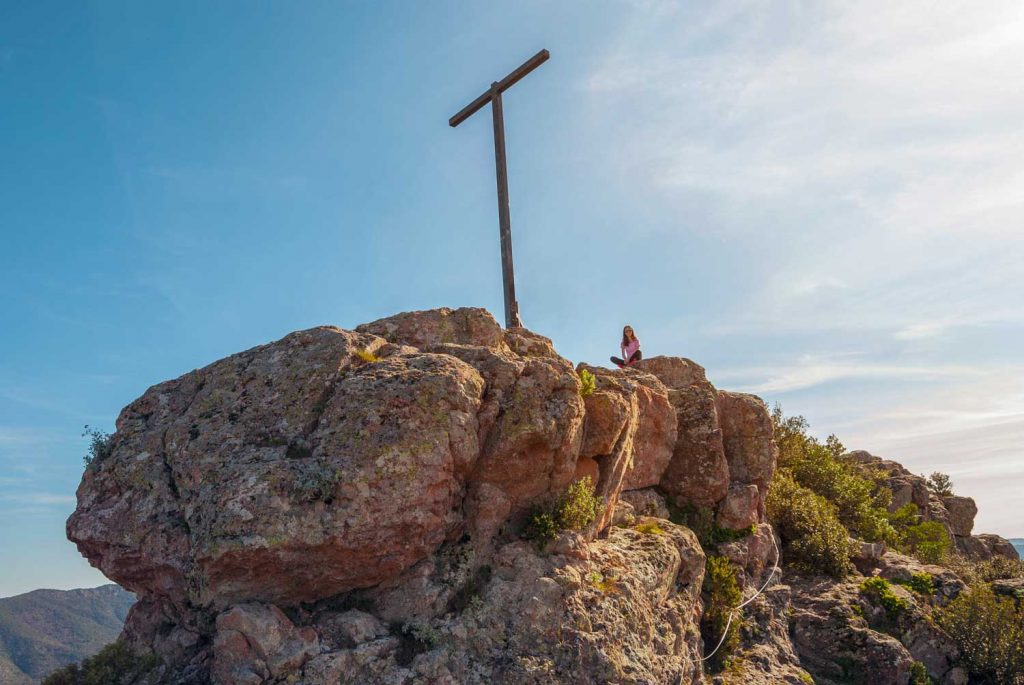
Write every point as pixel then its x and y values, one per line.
pixel 45 629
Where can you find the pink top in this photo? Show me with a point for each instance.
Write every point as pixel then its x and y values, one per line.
pixel 628 350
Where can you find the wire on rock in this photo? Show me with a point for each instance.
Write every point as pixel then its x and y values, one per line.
pixel 775 567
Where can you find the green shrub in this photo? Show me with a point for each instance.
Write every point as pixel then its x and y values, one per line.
pixel 587 383
pixel 941 484
pixel 650 528
pixel 101 445
pixel 606 585
pixel 922 582
pixel 989 631
pixel 975 572
pixel 919 674
pixel 578 507
pixel 861 502
pixel 904 517
pixel 814 539
pixel 540 526
pixel 880 591
pixel 721 595
pixel 701 520
pixel 367 356
pixel 113 663
pixel 999 568
pixel 575 510
pixel 928 541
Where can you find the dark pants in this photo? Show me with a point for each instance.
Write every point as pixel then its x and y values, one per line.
pixel 634 358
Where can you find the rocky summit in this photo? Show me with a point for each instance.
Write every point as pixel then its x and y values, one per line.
pixel 389 505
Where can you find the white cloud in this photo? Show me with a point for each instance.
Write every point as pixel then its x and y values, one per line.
pixel 882 139
pixel 811 371
pixel 41 498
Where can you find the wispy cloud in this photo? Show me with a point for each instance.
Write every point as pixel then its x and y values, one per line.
pixel 810 372
pixel 37 498
pixel 876 144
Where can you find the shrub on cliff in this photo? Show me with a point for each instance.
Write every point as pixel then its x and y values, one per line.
pixel 941 484
pixel 578 507
pixel 575 510
pixel 101 444
pixel 880 592
pixel 113 664
pixel 814 540
pixel 927 541
pixel 721 594
pixel 989 631
pixel 861 502
pixel 588 383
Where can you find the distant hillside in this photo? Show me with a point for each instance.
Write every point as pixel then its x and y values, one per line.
pixel 41 631
pixel 1018 544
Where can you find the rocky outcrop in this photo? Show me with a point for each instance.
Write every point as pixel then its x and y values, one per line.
pixel 350 502
pixel 954 512
pixel 351 506
pixel 842 635
pixel 698 471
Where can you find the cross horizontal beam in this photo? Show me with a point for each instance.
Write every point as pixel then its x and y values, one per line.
pixel 500 86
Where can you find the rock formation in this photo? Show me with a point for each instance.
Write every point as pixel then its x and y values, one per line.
pixel 955 513
pixel 347 506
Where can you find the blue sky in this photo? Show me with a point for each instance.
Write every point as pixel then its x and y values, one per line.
pixel 818 202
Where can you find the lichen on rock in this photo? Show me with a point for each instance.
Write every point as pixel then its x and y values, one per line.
pixel 349 506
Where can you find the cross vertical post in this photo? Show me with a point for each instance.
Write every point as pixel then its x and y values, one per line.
pixel 508 277
pixel 493 96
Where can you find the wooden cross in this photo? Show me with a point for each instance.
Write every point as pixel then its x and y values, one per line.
pixel 493 96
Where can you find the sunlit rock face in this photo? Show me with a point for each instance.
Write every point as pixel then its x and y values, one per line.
pixel 350 504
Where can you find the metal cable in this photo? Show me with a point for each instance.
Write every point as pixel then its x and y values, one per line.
pixel 732 613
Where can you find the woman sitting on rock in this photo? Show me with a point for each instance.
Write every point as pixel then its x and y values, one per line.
pixel 630 347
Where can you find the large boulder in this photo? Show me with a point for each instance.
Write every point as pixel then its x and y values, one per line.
pixel 630 432
pixel 274 474
pixel 835 644
pixel 985 547
pixel 961 513
pixel 747 437
pixel 255 643
pixel 739 509
pixel 463 326
pixel 698 472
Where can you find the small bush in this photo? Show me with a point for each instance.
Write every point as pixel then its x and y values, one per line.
pixel 998 568
pixel 650 528
pixel 922 582
pixel 114 663
pixel 367 356
pixel 879 591
pixel 919 674
pixel 928 541
pixel 701 520
pixel 721 594
pixel 814 539
pixel 941 484
pixel 974 572
pixel 540 526
pixel 578 507
pixel 989 631
pixel 575 510
pixel 101 445
pixel 607 585
pixel 588 383
pixel 904 517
